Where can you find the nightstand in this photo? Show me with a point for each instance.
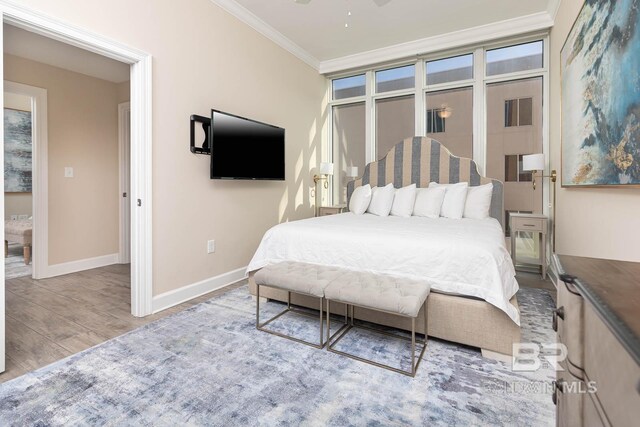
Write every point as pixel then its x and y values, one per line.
pixel 331 210
pixel 532 223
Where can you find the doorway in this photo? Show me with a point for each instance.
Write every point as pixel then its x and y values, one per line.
pixel 22 105
pixel 140 153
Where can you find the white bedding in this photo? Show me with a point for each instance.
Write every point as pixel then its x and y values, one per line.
pixel 459 256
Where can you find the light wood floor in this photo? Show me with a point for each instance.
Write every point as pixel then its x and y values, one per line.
pixel 48 320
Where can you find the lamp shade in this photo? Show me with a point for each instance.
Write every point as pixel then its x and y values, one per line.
pixel 533 162
pixel 352 171
pixel 326 168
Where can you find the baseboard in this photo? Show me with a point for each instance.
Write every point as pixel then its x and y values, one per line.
pixel 80 265
pixel 178 296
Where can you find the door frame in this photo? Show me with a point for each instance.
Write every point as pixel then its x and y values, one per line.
pixel 141 143
pixel 124 150
pixel 39 172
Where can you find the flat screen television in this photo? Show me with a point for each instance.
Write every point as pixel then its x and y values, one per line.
pixel 245 149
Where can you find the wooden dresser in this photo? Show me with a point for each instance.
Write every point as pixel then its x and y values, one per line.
pixel 598 320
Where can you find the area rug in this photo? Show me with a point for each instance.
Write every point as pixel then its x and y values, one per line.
pixel 208 365
pixel 14 265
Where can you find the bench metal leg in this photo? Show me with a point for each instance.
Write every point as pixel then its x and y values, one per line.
pixel 331 342
pixel 262 326
pixel 342 328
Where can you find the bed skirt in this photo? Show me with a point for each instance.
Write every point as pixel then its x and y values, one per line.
pixel 468 321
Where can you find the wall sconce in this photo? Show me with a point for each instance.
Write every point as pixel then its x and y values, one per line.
pixel 536 162
pixel 326 169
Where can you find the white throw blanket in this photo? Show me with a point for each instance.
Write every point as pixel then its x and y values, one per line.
pixel 458 256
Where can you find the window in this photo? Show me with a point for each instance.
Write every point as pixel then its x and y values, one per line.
pixel 450 69
pixel 513 169
pixel 436 120
pixel 349 87
pixel 349 136
pixel 450 119
pixel 518 112
pixel 511 59
pixel 482 103
pixel 396 79
pixel 395 121
pixel 505 145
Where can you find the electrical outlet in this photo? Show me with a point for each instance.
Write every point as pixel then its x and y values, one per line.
pixel 211 246
pixel 14 217
pixel 68 172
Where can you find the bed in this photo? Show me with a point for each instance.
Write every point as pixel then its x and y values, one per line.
pixel 473 298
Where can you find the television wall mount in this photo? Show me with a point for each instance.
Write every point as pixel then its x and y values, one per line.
pixel 206 124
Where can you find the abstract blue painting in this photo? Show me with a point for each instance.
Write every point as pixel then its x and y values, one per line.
pixel 601 96
pixel 18 149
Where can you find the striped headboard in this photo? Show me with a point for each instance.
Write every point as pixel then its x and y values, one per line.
pixel 422 160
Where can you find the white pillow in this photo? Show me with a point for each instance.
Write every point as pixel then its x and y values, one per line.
pixel 478 201
pixel 454 199
pixel 429 202
pixel 381 200
pixel 403 201
pixel 360 199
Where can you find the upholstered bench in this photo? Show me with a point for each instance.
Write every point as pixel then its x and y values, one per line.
pixel 393 295
pixel 299 278
pixel 18 231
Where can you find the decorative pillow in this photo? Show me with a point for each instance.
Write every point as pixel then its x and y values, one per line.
pixel 478 203
pixel 454 199
pixel 429 202
pixel 360 199
pixel 381 200
pixel 403 201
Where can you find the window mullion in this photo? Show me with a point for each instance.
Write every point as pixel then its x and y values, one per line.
pixel 369 118
pixel 479 110
pixel 420 99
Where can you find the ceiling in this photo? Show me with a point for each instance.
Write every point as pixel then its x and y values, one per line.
pixel 32 46
pixel 318 28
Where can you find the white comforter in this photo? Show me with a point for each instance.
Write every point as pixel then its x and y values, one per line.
pixel 458 256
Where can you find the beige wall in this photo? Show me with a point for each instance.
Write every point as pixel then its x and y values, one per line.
pixel 124 91
pixel 592 222
pixel 17 203
pixel 83 134
pixel 204 58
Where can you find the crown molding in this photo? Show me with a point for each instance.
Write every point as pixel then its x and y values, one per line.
pixel 246 16
pixel 552 8
pixel 497 30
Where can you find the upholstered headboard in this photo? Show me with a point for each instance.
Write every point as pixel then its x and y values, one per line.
pixel 422 160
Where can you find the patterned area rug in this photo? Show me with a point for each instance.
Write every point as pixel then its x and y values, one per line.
pixel 208 365
pixel 14 265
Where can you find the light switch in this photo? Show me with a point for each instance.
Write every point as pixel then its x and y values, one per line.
pixel 68 172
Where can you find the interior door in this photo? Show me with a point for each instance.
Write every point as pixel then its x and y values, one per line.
pixel 2 285
pixel 124 130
